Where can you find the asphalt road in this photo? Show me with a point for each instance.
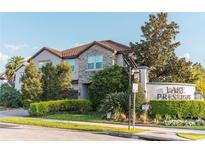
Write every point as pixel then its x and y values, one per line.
pixel 13 132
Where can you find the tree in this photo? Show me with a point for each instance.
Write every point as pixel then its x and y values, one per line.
pixel 177 70
pixel 64 77
pixel 11 66
pixel 49 82
pixel 157 51
pixel 32 86
pixel 109 80
pixel 9 96
pixel 199 72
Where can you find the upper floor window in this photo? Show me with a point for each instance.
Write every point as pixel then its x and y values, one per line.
pixel 95 62
pixel 72 63
pixel 91 62
pixel 99 62
pixel 43 63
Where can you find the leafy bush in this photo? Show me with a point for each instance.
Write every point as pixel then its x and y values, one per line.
pixel 9 96
pixel 183 123
pixel 109 80
pixel 49 107
pixel 115 103
pixel 158 118
pixel 144 117
pixel 184 109
pixel 168 117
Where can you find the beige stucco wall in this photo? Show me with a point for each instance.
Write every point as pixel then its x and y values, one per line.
pixel 19 74
pixel 45 55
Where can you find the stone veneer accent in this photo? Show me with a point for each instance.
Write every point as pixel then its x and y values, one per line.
pixel 84 73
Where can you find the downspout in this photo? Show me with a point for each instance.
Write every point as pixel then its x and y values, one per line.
pixel 114 58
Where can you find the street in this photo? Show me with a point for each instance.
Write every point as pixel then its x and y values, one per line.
pixel 13 132
pixel 37 133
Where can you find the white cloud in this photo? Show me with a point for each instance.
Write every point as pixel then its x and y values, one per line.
pixel 187 56
pixel 78 44
pixel 3 60
pixel 16 47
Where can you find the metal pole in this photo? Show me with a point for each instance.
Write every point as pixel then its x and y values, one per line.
pixel 134 98
pixel 130 97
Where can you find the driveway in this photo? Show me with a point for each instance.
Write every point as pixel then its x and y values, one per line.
pixel 14 132
pixel 14 113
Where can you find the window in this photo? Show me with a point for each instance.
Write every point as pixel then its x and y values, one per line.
pixel 95 62
pixel 91 62
pixel 43 63
pixel 72 63
pixel 99 61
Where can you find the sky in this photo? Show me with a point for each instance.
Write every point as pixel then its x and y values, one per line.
pixel 23 34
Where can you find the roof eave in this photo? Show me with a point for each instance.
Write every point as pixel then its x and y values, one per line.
pixel 41 50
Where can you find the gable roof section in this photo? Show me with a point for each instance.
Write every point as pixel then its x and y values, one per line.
pixel 51 50
pixel 75 52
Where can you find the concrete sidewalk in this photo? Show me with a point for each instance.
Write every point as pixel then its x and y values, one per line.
pixel 151 133
pixel 172 130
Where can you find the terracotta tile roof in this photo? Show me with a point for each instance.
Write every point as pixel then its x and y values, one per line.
pixel 75 52
pixel 114 45
pixel 55 51
pixel 110 45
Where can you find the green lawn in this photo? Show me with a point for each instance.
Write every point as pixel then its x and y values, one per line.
pixel 77 117
pixel 191 136
pixel 92 117
pixel 2 108
pixel 67 125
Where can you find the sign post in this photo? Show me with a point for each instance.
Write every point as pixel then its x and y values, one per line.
pixel 134 90
pixel 130 97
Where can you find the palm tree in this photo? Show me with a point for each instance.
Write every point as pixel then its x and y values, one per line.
pixel 11 66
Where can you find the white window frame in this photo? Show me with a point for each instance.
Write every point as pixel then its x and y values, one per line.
pixel 94 68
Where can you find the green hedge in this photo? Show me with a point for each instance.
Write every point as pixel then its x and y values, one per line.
pixel 49 107
pixel 180 109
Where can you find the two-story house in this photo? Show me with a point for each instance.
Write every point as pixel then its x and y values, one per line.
pixel 85 61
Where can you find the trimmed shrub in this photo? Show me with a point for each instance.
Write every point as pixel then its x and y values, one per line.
pixel 9 96
pixel 49 107
pixel 185 109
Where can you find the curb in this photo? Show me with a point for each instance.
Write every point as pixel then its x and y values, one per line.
pixel 144 137
pixel 125 135
pixel 155 138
